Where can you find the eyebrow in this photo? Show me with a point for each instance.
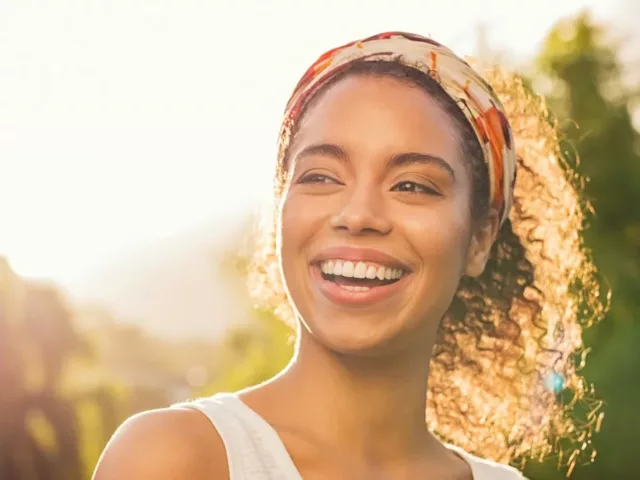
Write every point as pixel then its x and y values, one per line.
pixel 422 158
pixel 327 149
pixel 396 161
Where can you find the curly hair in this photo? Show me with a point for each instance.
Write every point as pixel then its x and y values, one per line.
pixel 504 376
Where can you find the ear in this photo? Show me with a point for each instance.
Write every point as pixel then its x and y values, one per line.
pixel 481 242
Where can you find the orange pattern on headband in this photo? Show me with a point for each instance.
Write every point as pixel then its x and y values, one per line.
pixel 477 100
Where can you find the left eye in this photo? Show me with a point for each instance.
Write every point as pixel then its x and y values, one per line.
pixel 316 178
pixel 413 187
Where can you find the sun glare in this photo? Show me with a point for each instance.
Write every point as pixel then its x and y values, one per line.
pixel 115 139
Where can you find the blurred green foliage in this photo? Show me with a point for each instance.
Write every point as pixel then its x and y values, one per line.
pixel 591 103
pixel 70 376
pixel 253 354
pixel 41 436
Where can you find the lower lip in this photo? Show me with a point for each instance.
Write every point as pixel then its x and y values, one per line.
pixel 341 296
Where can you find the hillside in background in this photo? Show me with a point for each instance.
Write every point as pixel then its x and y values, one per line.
pixel 174 287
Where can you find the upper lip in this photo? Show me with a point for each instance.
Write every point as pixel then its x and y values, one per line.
pixel 356 254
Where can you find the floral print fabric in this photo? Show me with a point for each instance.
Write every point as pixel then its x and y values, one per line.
pixel 471 92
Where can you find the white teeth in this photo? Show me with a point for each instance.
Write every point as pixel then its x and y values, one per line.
pixel 337 267
pixel 355 288
pixel 347 269
pixel 360 270
pixel 371 272
pixel 327 267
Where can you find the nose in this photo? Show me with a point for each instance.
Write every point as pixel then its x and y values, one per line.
pixel 362 213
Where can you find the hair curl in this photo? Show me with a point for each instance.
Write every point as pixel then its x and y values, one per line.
pixel 504 377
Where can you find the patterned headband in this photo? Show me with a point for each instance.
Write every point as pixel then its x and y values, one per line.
pixel 472 93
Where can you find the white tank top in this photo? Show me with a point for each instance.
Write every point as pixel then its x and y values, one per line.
pixel 256 452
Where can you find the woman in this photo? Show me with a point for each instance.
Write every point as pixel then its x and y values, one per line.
pixel 414 284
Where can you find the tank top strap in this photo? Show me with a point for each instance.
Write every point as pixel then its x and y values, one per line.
pixel 254 449
pixel 256 452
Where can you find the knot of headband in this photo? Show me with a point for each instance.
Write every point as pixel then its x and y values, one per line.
pixel 470 91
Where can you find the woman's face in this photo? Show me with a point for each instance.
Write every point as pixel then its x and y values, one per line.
pixel 375 220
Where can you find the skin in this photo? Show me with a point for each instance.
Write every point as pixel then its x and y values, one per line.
pixel 351 404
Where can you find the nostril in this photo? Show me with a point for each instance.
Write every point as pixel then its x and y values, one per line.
pixel 360 223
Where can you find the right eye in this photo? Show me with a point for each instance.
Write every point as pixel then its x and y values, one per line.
pixel 317 178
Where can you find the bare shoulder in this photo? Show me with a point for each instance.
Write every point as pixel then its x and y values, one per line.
pixel 165 444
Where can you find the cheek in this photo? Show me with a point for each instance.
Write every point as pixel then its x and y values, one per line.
pixel 440 237
pixel 297 224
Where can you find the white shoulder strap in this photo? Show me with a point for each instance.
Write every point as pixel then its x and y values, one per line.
pixel 256 452
pixel 254 449
pixel 483 469
pixel 230 430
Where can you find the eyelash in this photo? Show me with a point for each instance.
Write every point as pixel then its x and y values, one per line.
pixel 418 188
pixel 316 178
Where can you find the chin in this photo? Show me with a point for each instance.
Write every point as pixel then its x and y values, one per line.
pixel 353 334
pixel 379 319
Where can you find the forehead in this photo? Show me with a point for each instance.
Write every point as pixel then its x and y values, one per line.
pixel 376 114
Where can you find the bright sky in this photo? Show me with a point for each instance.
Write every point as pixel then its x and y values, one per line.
pixel 122 122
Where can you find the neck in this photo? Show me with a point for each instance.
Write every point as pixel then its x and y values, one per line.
pixel 371 407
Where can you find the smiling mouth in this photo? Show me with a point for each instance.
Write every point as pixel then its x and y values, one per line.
pixel 359 276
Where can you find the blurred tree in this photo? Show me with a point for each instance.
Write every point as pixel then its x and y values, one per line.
pixel 252 353
pixel 585 91
pixel 40 433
